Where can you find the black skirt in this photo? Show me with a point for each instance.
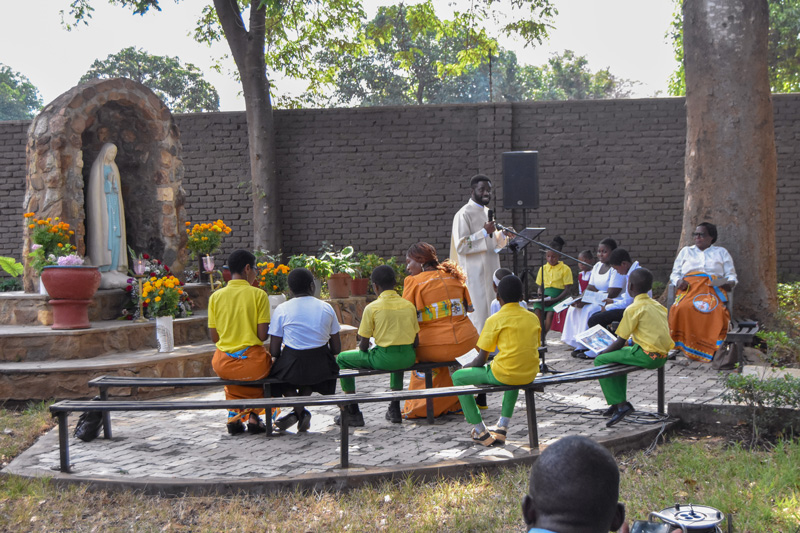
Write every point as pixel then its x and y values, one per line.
pixel 316 368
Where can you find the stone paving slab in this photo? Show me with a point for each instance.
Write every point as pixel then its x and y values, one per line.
pixel 186 448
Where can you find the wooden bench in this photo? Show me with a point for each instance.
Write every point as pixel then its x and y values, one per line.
pixel 103 383
pixel 63 408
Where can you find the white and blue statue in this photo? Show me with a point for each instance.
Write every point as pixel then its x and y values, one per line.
pixel 106 245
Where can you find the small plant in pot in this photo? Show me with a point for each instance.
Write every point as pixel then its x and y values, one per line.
pixel 343 270
pixel 366 263
pixel 320 268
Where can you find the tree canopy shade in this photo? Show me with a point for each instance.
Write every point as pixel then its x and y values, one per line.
pixel 783 51
pixel 182 87
pixel 19 98
pixel 411 65
pixel 283 36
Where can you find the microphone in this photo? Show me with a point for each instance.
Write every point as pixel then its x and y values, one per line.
pixel 500 226
pixel 491 215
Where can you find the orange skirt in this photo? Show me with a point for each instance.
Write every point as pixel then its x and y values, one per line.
pixel 441 406
pixel 698 320
pixel 253 364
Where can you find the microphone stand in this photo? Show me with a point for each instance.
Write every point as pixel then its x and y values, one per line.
pixel 543 368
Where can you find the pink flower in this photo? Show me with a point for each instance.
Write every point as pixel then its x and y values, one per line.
pixel 35 246
pixel 70 260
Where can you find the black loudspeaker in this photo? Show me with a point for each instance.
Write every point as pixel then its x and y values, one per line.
pixel 520 180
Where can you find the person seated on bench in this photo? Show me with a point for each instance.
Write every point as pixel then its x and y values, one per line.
pixel 440 296
pixel 620 260
pixel 392 321
pixel 238 320
pixel 555 281
pixel 309 331
pixel 645 322
pixel 699 318
pixel 516 334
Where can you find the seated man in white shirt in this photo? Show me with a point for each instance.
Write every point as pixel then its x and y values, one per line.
pixel 620 260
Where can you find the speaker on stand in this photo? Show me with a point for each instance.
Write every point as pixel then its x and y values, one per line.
pixel 521 191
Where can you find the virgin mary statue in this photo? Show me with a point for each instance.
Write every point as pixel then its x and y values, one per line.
pixel 106 245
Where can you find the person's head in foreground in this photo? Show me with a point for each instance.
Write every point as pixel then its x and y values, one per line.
pixel 574 488
pixel 509 290
pixel 499 274
pixel 238 262
pixel 640 281
pixel 301 282
pixel 383 278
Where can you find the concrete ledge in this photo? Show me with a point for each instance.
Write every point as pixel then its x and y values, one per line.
pixel 712 414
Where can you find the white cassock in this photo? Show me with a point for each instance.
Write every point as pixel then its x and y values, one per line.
pixel 477 253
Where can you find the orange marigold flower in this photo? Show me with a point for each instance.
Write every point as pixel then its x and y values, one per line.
pixel 31 226
pixel 188 223
pixel 60 245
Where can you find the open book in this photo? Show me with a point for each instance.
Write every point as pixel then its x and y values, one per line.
pixel 594 297
pixel 597 338
pixel 563 304
pixel 468 357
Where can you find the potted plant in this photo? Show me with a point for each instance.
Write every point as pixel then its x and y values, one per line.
pixel 343 270
pixel 205 239
pixel 14 269
pixel 162 299
pixel 49 241
pixel 273 278
pixel 320 268
pixel 151 269
pixel 366 263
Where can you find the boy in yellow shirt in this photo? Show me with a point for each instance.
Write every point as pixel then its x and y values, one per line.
pixel 645 322
pixel 392 321
pixel 515 333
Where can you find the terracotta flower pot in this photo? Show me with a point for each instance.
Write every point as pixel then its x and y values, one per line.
pixel 71 289
pixel 339 285
pixel 359 286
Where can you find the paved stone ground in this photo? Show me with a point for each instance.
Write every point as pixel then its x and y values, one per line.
pixel 193 446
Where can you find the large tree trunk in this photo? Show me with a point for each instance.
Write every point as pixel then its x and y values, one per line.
pixel 247 47
pixel 730 142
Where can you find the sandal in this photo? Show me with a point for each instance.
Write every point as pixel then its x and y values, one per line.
pixel 255 428
pixel 484 438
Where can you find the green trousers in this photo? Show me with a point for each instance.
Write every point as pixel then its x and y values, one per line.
pixel 481 375
pixel 615 389
pixel 380 358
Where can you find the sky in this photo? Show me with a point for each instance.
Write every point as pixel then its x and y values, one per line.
pixel 627 36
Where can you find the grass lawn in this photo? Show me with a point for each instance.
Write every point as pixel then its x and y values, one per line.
pixel 761 487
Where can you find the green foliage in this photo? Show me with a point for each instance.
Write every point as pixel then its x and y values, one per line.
pixel 182 87
pixel 341 262
pixel 782 333
pixel 19 98
pixel 10 265
pixel 10 285
pixel 366 264
pixel 320 268
pixel 416 58
pixel 783 50
pixel 762 395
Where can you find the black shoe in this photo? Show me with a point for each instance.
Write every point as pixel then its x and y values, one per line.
pixel 355 418
pixel 235 428
pixel 286 421
pixel 304 422
pixel 480 401
pixel 257 427
pixel 622 411
pixel 393 414
pixel 610 411
pixel 579 354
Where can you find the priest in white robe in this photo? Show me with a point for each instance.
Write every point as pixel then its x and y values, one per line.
pixel 474 245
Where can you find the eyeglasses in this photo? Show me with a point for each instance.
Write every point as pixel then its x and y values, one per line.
pixel 699 234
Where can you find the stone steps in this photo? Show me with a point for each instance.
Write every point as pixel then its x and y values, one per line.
pixel 41 343
pixel 67 379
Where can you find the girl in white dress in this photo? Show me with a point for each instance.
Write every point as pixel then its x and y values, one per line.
pixel 601 280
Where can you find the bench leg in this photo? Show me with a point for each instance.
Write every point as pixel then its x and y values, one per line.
pixel 268 420
pixel 533 428
pixel 344 461
pixel 429 401
pixel 106 414
pixel 661 388
pixel 63 440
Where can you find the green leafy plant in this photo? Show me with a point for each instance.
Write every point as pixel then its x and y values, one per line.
pixel 366 263
pixel 10 265
pixel 50 240
pixel 341 262
pixel 206 238
pixel 762 395
pixel 162 296
pixel 320 268
pixel 781 335
pixel 399 271
pixel 10 285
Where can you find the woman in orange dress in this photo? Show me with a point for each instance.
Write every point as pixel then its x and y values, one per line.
pixel 439 293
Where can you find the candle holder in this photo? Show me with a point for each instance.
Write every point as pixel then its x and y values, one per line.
pixel 208 265
pixel 138 271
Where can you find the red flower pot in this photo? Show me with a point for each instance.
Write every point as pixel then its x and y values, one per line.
pixel 359 286
pixel 71 289
pixel 339 285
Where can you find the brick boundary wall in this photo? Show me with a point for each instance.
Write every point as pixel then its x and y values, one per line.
pixel 383 178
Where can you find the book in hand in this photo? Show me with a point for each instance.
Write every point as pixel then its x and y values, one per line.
pixel 594 297
pixel 563 304
pixel 468 357
pixel 597 338
pixel 718 282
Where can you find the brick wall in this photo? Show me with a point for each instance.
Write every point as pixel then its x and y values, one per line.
pixel 383 178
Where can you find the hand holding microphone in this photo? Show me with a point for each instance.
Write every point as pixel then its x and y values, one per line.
pixel 490 224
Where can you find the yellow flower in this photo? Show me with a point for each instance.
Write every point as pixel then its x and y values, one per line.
pixel 158 299
pixel 147 301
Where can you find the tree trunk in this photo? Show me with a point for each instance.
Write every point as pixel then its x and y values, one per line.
pixel 247 47
pixel 731 166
